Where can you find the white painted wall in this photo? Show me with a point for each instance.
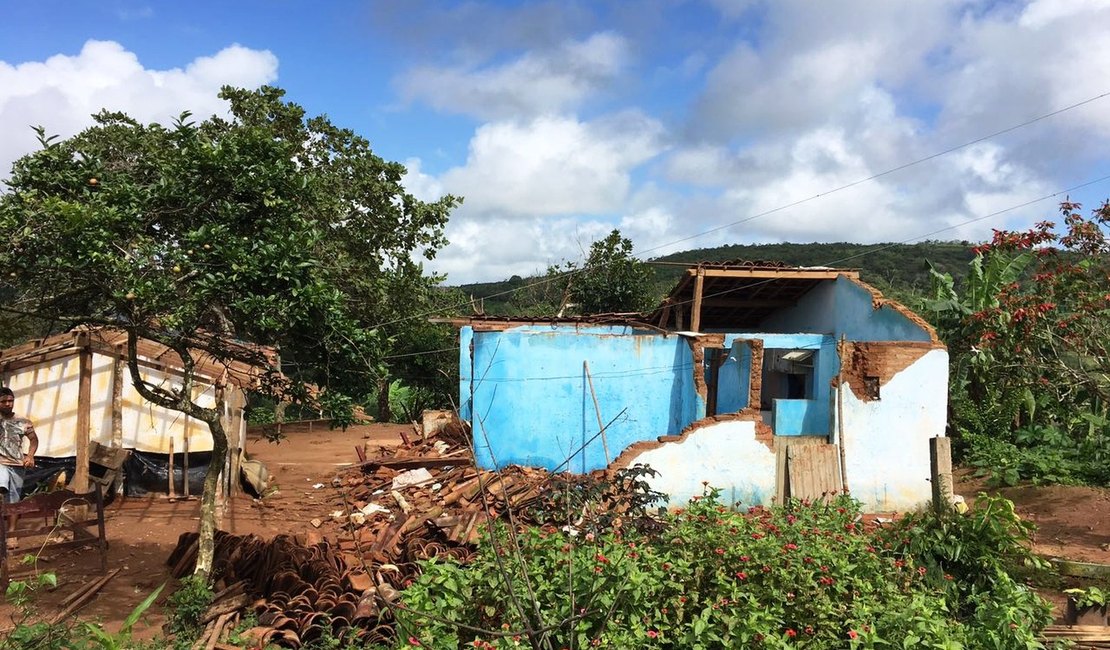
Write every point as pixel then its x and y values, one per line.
pixel 726 454
pixel 887 441
pixel 887 452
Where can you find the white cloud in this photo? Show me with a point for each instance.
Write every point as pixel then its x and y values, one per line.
pixel 61 92
pixel 534 84
pixel 507 247
pixel 824 96
pixel 553 165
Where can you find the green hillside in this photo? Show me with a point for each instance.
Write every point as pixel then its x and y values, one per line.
pixel 900 270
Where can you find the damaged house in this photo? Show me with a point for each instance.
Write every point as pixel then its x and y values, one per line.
pixel 765 381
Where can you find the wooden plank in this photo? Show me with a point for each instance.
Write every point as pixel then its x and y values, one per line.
pixel 813 470
pixel 15 355
pixel 781 274
pixel 80 482
pixel 110 457
pixel 597 410
pixel 1081 569
pixel 31 362
pixel 743 303
pixel 695 311
pixel 414 462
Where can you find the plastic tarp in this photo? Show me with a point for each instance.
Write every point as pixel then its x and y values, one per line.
pixel 145 473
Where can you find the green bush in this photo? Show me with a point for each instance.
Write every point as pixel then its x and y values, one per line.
pixel 800 576
pixel 187 605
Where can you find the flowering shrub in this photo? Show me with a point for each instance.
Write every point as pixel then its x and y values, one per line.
pixel 799 576
pixel 1029 340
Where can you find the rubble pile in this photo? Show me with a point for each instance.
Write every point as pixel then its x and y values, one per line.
pixel 296 592
pixel 424 499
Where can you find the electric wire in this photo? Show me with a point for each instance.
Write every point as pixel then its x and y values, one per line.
pixel 780 208
pixel 871 251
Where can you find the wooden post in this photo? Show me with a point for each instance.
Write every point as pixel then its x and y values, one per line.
pixel 172 490
pixel 117 401
pixel 840 350
pixel 695 312
pixel 185 462
pixel 597 409
pixel 80 483
pixel 940 470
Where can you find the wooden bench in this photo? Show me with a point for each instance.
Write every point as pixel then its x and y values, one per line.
pixel 47 508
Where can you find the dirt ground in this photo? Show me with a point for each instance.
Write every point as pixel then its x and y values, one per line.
pixel 142 532
pixel 1073 522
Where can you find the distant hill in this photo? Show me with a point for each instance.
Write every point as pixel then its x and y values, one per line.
pixel 899 270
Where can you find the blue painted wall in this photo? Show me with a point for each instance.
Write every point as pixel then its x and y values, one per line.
pixel 525 391
pixel 734 379
pixel 814 418
pixel 531 403
pixel 842 307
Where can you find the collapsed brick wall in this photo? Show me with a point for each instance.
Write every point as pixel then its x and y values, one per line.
pixel 866 367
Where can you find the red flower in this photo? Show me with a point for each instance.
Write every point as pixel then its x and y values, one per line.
pixel 740 575
pixel 791 547
pixel 413 641
pixel 652 634
pixel 852 634
pixel 719 551
pixel 601 558
pixel 791 633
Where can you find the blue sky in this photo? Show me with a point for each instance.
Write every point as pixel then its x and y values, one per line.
pixel 668 118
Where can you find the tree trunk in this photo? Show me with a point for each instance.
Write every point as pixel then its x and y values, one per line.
pixel 207 541
pixel 384 414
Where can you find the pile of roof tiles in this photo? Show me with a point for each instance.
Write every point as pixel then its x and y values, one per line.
pixel 421 500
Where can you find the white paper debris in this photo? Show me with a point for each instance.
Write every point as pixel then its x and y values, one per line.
pixel 317 486
pixel 371 508
pixel 441 446
pixel 417 476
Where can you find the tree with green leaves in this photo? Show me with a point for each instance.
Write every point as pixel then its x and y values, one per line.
pixel 611 280
pixel 264 227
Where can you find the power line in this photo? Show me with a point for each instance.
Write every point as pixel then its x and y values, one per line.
pixel 786 206
pixel 918 237
pixel 841 260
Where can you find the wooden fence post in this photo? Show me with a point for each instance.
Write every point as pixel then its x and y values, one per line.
pixel 940 470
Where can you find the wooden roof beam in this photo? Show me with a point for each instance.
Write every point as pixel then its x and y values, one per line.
pixel 777 274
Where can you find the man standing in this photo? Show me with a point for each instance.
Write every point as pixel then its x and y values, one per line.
pixel 13 460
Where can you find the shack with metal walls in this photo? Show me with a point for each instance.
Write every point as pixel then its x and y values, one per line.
pixel 765 381
pixel 76 388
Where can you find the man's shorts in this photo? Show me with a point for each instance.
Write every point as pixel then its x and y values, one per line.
pixel 11 482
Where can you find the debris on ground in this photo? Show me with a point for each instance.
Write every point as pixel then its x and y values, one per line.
pixel 398 507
